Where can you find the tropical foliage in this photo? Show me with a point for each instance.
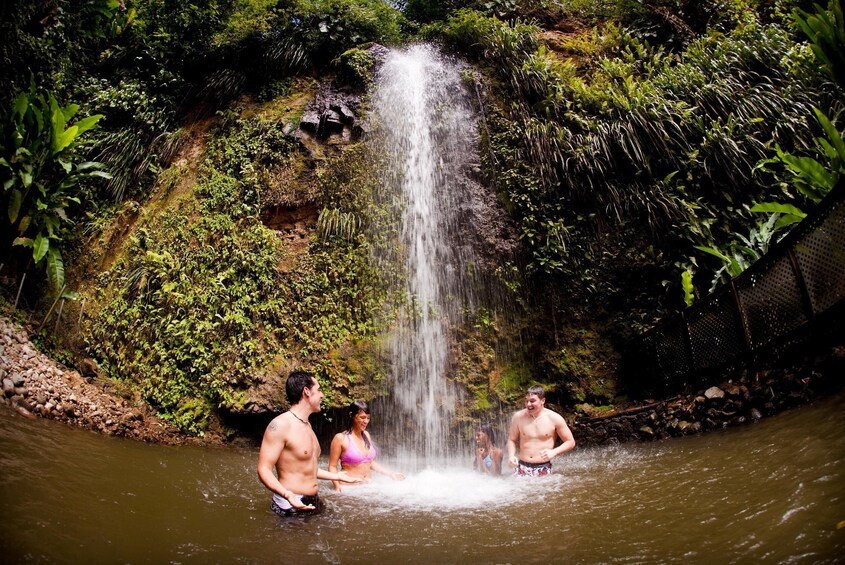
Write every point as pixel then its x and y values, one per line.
pixel 40 172
pixel 630 141
pixel 812 176
pixel 206 281
pixel 638 134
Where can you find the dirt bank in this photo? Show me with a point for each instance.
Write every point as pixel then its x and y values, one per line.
pixel 36 385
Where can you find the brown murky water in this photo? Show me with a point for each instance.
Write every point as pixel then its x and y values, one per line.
pixel 771 492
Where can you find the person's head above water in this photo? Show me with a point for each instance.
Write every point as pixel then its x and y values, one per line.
pixel 535 400
pixel 487 430
pixel 297 382
pixel 359 413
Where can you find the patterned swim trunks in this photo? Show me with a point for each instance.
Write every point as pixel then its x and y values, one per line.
pixel 525 469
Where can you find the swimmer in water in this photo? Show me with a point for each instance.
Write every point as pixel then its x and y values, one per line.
pixel 354 449
pixel 488 457
pixel 287 461
pixel 536 429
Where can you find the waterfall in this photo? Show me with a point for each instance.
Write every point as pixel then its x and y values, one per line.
pixel 429 134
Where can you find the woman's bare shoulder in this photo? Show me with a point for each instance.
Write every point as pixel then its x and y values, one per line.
pixel 340 437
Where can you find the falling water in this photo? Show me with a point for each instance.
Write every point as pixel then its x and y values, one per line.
pixel 429 140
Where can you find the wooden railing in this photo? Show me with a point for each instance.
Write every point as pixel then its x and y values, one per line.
pixel 798 284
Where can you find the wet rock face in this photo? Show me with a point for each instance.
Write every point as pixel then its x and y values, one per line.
pixel 487 227
pixel 332 117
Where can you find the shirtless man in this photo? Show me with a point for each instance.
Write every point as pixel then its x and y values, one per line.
pixel 291 448
pixel 535 429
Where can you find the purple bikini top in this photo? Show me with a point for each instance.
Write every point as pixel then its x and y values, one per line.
pixel 353 455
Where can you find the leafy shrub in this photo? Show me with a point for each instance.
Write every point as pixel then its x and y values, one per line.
pixel 357 66
pixel 40 172
pixel 327 28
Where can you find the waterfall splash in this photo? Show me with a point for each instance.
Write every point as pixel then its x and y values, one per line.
pixel 429 134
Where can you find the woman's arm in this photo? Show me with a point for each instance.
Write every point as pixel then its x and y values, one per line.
pixel 335 452
pixel 384 471
pixel 497 461
pixel 479 461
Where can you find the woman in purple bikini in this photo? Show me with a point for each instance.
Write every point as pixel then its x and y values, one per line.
pixel 355 450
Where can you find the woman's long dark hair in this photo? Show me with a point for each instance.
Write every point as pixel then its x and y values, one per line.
pixel 354 408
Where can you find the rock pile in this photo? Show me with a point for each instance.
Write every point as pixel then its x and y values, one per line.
pixel 34 384
pixel 745 398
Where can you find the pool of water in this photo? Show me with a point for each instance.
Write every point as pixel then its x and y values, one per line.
pixel 769 492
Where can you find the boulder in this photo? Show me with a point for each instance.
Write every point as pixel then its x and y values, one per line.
pixel 89 368
pixel 714 392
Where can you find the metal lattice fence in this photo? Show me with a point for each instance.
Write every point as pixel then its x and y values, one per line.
pixel 797 284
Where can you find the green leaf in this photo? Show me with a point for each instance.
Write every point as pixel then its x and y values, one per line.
pixel 64 139
pixel 772 207
pixel 833 135
pixel 41 247
pixel 70 295
pixel 57 123
pixel 55 268
pixel 787 220
pixel 811 170
pixel 87 123
pixel 70 111
pixel 26 178
pixel 39 120
pixel 714 252
pixel 23 242
pixel 21 104
pixel 90 165
pixel 15 205
pixel 748 252
pixel 686 284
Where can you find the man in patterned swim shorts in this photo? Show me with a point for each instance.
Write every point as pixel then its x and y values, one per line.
pixel 535 428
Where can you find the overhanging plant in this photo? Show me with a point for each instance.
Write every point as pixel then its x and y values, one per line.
pixel 40 172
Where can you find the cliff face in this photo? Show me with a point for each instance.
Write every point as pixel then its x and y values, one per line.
pixel 254 256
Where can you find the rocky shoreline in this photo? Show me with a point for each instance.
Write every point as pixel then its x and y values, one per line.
pixel 743 397
pixel 33 384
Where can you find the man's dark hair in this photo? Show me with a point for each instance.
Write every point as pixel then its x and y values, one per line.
pixel 537 390
pixel 296 383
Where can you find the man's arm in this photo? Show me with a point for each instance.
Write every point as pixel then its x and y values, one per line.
pixel 565 435
pixel 271 451
pixel 513 437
